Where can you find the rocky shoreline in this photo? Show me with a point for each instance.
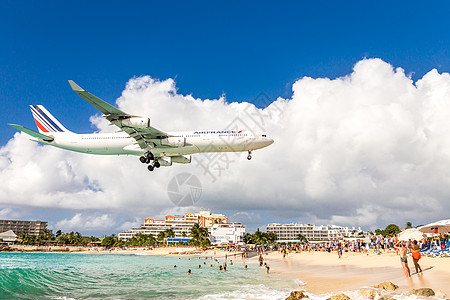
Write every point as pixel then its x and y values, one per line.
pixel 382 291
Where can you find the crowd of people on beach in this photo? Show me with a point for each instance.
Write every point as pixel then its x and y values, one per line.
pixel 374 244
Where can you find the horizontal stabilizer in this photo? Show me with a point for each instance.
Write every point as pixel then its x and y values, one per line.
pixel 33 133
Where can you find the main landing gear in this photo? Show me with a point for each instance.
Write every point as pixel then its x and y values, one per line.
pixel 249 154
pixel 145 159
pixel 149 159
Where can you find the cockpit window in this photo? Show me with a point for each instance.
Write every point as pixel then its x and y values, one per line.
pixel 264 135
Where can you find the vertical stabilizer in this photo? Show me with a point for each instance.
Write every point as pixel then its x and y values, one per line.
pixel 45 121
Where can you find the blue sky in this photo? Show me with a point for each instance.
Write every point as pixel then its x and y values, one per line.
pixel 240 49
pixel 233 48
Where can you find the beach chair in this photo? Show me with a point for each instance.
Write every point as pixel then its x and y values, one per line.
pixel 426 250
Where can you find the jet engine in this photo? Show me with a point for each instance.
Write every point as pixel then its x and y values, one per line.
pixel 174 141
pixel 136 122
pixel 181 159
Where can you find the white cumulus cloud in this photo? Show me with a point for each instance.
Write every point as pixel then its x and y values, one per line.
pixel 81 222
pixel 366 149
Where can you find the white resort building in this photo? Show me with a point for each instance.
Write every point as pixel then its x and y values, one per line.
pixel 232 233
pixel 180 224
pixel 290 232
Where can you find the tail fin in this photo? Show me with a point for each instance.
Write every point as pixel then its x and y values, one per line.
pixel 45 121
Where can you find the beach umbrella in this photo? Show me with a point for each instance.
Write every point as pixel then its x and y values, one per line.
pixel 411 234
pixel 442 226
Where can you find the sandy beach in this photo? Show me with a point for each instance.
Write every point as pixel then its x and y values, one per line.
pixel 324 272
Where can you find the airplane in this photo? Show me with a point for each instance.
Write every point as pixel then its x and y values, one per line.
pixel 137 137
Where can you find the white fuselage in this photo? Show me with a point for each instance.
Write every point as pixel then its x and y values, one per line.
pixel 193 142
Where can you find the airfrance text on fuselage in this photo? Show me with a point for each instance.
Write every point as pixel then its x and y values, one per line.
pixel 217 132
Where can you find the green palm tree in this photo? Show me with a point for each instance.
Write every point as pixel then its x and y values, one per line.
pixel 24 238
pixel 195 232
pixel 199 235
pixel 271 237
pixel 161 236
pixel 302 238
pixel 169 233
pixel 62 239
pixel 203 233
pixel 47 236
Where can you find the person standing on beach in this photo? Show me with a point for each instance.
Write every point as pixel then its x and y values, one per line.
pixel 395 244
pixel 404 259
pixel 339 250
pixel 416 256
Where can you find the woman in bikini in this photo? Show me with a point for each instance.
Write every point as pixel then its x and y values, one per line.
pixel 416 256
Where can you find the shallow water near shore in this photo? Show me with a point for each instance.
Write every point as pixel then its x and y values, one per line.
pixel 80 276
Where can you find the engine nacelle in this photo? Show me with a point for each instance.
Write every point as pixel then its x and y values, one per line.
pixel 181 159
pixel 165 161
pixel 136 122
pixel 174 141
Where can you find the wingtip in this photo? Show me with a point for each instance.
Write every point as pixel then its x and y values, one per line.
pixel 75 86
pixel 15 126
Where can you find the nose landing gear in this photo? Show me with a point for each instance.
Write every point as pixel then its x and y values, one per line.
pixel 249 156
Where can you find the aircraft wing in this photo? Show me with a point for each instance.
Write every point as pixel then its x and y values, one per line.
pixel 33 133
pixel 117 117
pixel 107 109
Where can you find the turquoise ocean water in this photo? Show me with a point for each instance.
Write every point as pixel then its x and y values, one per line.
pixel 92 276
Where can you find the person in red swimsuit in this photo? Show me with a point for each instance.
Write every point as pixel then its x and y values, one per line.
pixel 416 256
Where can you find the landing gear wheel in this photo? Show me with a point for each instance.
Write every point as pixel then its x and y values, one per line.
pixel 143 159
pixel 150 168
pixel 157 164
pixel 249 154
pixel 150 156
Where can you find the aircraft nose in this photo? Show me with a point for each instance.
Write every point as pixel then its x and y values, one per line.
pixel 269 141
